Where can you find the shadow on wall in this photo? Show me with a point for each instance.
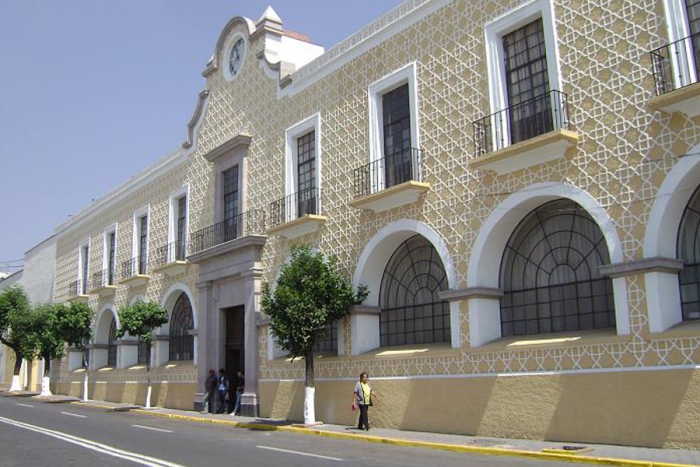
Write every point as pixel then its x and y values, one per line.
pixel 164 394
pixel 646 408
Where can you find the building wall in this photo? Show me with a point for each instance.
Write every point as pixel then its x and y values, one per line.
pixel 554 387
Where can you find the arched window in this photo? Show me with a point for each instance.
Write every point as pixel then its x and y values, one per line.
pixel 181 322
pixel 549 273
pixel 689 251
pixel 412 312
pixel 112 344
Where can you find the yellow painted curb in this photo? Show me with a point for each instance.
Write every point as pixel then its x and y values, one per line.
pixel 554 456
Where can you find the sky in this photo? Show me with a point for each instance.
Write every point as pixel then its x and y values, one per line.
pixel 94 91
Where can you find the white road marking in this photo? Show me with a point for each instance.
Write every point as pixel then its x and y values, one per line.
pixel 74 415
pixel 92 445
pixel 151 428
pixel 25 405
pixel 300 453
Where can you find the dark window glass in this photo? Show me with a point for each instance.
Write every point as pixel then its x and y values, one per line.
pixel 112 258
pixel 181 228
pixel 527 82
pixel 549 273
pixel 306 174
pixel 182 321
pixel 411 309
pixel 143 244
pixel 84 279
pixel 112 344
pixel 329 343
pixel 230 203
pixel 143 354
pixel 396 121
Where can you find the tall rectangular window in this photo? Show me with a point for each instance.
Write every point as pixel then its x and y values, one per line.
pixel 84 252
pixel 230 203
pixel 527 82
pixel 396 122
pixel 181 228
pixel 143 245
pixel 111 258
pixel 306 174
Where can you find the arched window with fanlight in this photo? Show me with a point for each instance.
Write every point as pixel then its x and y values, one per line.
pixel 550 273
pixel 181 323
pixel 688 246
pixel 112 343
pixel 411 309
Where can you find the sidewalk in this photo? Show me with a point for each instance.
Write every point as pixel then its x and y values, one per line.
pixel 593 453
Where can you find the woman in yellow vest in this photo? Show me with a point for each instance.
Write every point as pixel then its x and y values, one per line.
pixel 362 398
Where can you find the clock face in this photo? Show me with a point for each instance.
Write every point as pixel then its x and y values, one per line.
pixel 235 59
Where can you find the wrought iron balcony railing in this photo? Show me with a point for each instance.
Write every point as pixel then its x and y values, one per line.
pixel 294 206
pixel 675 65
pixel 391 170
pixel 75 288
pixel 533 117
pixel 103 278
pixel 134 266
pixel 248 223
pixel 174 251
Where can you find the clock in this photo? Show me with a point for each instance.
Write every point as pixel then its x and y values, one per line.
pixel 235 58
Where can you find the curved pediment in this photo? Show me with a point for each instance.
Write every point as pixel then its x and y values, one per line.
pixel 239 21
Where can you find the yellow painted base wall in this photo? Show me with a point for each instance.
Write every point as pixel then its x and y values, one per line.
pixel 166 394
pixel 645 408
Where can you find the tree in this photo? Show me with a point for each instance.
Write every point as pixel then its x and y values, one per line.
pixel 75 328
pixel 140 320
pixel 310 294
pixel 15 322
pixel 44 339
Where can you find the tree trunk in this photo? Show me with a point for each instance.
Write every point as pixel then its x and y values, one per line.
pixel 85 377
pixel 309 390
pixel 148 375
pixel 16 385
pixel 46 379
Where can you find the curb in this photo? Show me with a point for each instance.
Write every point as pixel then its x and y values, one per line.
pixel 573 458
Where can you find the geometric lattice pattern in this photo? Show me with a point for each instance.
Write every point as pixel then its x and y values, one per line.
pixel 623 154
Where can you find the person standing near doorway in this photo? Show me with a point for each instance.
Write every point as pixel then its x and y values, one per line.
pixel 223 390
pixel 240 387
pixel 210 392
pixel 362 396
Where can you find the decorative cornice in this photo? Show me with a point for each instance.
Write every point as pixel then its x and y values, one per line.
pixel 128 342
pixel 470 292
pixel 198 112
pixel 640 266
pixel 356 310
pixel 237 141
pixel 161 337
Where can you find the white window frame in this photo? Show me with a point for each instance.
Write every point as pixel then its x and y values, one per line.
pixel 405 75
pixel 495 55
pixel 81 260
pixel 679 28
pixel 112 229
pixel 144 211
pixel 291 135
pixel 173 215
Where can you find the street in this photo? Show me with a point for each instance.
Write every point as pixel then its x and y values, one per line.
pixel 34 433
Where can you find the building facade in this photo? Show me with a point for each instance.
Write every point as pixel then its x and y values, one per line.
pixel 515 181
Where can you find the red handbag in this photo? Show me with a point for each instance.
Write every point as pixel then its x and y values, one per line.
pixel 353 407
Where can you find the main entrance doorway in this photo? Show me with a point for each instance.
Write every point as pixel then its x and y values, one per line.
pixel 235 357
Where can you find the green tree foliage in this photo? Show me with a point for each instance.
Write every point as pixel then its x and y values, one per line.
pixel 15 324
pixel 45 339
pixel 310 294
pixel 75 324
pixel 141 319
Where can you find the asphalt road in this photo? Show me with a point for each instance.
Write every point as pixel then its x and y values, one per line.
pixel 34 433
